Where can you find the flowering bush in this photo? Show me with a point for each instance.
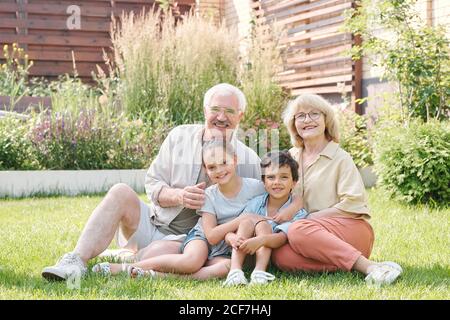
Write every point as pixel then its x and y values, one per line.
pixel 87 141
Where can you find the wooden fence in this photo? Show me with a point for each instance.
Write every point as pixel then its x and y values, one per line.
pixel 313 45
pixel 54 32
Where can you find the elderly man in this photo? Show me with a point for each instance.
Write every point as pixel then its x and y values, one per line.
pixel 175 184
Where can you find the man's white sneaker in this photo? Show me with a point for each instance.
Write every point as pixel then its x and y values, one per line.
pixel 69 265
pixel 384 274
pixel 261 277
pixel 235 277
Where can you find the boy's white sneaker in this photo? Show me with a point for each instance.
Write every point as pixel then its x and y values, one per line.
pixel 235 277
pixel 69 265
pixel 261 277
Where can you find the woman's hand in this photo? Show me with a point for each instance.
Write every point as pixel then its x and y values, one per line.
pixel 288 213
pixel 282 216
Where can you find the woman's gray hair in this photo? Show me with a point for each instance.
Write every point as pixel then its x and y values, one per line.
pixel 225 88
pixel 316 102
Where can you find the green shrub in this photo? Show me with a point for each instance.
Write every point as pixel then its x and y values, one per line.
pixel 413 162
pixel 16 152
pixel 354 137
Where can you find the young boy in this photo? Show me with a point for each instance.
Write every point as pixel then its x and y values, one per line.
pixel 280 174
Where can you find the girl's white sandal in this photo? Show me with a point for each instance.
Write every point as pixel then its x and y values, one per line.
pixel 104 269
pixel 136 272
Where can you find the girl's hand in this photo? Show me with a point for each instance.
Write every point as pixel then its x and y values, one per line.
pixel 251 245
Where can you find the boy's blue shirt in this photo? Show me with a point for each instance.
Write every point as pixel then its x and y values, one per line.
pixel 258 205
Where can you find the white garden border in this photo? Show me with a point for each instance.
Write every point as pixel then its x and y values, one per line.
pixel 14 184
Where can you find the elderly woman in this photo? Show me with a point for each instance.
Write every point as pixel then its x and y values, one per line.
pixel 336 235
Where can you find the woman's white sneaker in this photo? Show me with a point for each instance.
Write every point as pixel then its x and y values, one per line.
pixel 384 274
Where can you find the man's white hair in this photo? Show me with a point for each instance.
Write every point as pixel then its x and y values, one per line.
pixel 225 88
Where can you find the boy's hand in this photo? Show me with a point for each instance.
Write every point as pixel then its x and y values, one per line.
pixel 251 245
pixel 234 240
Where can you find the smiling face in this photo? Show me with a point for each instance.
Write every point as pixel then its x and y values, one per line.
pixel 220 166
pixel 222 115
pixel 278 181
pixel 309 128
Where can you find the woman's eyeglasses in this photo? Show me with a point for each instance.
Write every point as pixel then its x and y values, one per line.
pixel 313 115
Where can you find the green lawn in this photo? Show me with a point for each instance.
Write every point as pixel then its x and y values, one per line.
pixel 35 232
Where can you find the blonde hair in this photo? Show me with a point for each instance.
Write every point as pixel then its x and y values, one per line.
pixel 312 101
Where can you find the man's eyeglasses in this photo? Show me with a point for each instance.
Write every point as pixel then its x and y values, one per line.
pixel 227 110
pixel 313 115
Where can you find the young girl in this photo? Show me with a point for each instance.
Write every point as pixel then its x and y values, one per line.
pixel 280 174
pixel 225 201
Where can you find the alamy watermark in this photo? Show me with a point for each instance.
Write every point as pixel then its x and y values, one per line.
pixel 73 22
pixel 73 281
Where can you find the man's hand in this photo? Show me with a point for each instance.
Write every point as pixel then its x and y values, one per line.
pixel 251 245
pixel 192 197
